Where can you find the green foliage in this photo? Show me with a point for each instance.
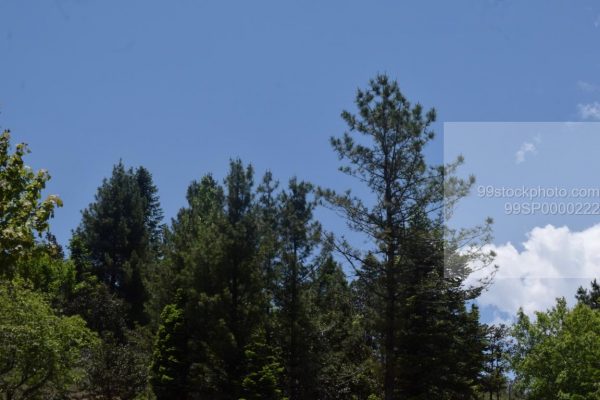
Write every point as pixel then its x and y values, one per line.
pixel 264 373
pixel 241 298
pixel 40 351
pixel 153 213
pixel 104 311
pixel 347 367
pixel 298 238
pixel 556 356
pixel 212 253
pixel 497 352
pixel 23 213
pixel 590 297
pixel 118 368
pixel 118 234
pixel 170 367
pixel 48 273
pixel 429 342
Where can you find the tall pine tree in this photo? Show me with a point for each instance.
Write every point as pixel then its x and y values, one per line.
pixel 298 238
pixel 421 320
pixel 213 253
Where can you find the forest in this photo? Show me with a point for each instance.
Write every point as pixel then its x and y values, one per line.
pixel 244 295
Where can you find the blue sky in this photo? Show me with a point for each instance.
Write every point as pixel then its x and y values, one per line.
pixel 538 181
pixel 182 86
pixel 555 161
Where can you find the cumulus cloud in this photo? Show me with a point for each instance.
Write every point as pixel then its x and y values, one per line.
pixel 553 263
pixel 589 111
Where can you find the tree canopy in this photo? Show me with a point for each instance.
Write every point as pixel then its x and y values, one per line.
pixel 244 295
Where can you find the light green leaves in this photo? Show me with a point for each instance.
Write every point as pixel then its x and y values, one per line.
pixel 40 352
pixel 557 355
pixel 23 213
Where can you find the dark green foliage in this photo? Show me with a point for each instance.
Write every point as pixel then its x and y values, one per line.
pixel 153 213
pixel 242 297
pixel 213 254
pixel 117 236
pixel 346 361
pixel 298 237
pixel 267 212
pixel 117 241
pixel 118 369
pixel 104 311
pixel 591 297
pixel 428 341
pixel 494 378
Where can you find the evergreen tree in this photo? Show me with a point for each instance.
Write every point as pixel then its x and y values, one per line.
pixel 494 378
pixel 170 367
pixel 191 231
pixel 267 211
pixel 213 254
pixel 591 297
pixel 117 234
pixel 345 359
pixel 112 250
pixel 153 214
pixel 264 371
pixel 194 250
pixel 298 237
pixel 420 315
pixel 242 293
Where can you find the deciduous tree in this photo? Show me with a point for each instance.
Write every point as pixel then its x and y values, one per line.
pixel 23 214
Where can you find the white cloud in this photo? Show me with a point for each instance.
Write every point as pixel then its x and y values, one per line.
pixel 554 262
pixel 589 111
pixel 526 147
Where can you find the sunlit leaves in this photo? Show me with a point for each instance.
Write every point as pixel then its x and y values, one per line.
pixel 23 213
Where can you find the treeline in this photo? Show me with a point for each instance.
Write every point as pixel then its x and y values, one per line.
pixel 243 294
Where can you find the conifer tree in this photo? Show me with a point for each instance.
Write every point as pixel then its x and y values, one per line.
pixel 118 233
pixel 420 315
pixel 193 253
pixel 264 371
pixel 170 367
pixel 242 294
pixel 494 377
pixel 591 297
pixel 267 212
pixel 214 257
pixel 298 237
pixel 153 213
pixel 345 359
